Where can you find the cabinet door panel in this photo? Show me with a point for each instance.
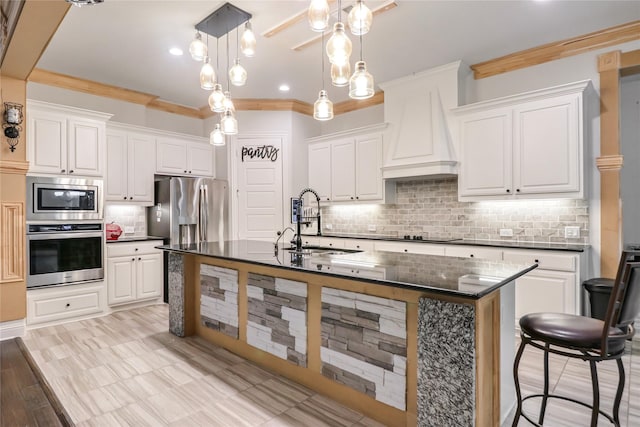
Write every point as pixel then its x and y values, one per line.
pixel 85 148
pixel 116 176
pixel 200 160
pixel 343 174
pixel 485 154
pixel 171 157
pixel 369 167
pixel 149 276
pixel 546 149
pixel 546 291
pixel 47 143
pixel 121 278
pixel 141 148
pixel 320 169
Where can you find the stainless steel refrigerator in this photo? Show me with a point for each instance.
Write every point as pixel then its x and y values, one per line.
pixel 189 210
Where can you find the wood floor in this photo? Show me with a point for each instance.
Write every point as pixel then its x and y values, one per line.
pixel 126 369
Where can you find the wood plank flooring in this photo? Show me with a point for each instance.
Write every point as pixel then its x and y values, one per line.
pixel 126 369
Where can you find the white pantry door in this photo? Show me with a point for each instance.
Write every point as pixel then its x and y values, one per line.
pixel 259 191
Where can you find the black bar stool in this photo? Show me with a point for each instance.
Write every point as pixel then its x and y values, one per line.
pixel 585 338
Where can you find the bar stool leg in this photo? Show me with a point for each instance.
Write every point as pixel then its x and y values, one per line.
pixel 616 404
pixel 516 363
pixel 545 397
pixel 596 394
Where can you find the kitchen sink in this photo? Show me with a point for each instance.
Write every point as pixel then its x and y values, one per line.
pixel 321 250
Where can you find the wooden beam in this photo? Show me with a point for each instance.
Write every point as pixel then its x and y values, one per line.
pixel 377 11
pixel 168 107
pixel 355 104
pixel 37 23
pixel 557 50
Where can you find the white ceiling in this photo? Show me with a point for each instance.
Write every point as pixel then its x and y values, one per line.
pixel 126 42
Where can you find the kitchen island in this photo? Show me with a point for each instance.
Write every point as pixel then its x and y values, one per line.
pixel 405 339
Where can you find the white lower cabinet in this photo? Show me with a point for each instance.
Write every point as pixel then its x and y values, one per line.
pixel 410 247
pixel 134 272
pixel 55 304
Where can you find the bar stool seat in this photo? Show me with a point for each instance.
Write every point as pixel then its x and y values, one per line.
pixel 567 330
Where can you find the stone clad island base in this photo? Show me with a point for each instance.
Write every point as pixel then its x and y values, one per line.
pixel 400 352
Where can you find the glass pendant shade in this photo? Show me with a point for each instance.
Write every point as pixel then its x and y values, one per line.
pixel 207 75
pixel 237 74
pixel 228 102
pixel 340 74
pixel 216 137
pixel 360 19
pixel 229 123
pixel 248 41
pixel 216 99
pixel 318 15
pixel 361 83
pixel 197 48
pixel 323 107
pixel 339 46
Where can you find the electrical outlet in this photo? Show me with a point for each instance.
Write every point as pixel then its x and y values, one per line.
pixel 371 227
pixel 506 232
pixel 328 226
pixel 572 232
pixel 129 229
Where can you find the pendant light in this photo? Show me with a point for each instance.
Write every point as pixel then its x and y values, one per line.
pixel 237 73
pixel 197 48
pixel 340 74
pixel 339 46
pixel 216 99
pixel 229 123
pixel 360 19
pixel 216 137
pixel 248 41
pixel 318 15
pixel 323 107
pixel 207 75
pixel 228 103
pixel 361 83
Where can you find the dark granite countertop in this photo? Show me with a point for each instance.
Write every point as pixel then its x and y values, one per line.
pixel 469 242
pixel 464 277
pixel 135 239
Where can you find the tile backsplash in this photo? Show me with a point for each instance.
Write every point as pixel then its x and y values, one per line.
pixel 430 208
pixel 127 216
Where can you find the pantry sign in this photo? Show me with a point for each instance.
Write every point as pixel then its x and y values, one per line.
pixel 267 152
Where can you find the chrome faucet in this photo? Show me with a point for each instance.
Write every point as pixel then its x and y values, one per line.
pixel 280 234
pixel 299 217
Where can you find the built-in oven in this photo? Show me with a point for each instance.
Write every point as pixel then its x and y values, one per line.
pixel 60 254
pixel 63 199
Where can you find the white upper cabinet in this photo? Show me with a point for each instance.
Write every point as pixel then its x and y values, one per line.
pixel 524 146
pixel 184 156
pixel 65 140
pixel 347 166
pixel 129 175
pixel 418 141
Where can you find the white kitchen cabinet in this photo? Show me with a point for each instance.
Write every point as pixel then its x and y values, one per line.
pixel 410 247
pixel 359 244
pixel 181 156
pixel 52 305
pixel 346 167
pixel 477 252
pixel 524 146
pixel 331 242
pixel 64 140
pixel 129 176
pixel 134 272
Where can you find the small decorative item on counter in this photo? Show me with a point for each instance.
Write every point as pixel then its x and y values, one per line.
pixel 113 231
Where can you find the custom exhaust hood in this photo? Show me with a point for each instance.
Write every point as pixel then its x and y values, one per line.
pixel 418 141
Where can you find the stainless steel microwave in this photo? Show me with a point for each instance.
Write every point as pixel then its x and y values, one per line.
pixel 62 199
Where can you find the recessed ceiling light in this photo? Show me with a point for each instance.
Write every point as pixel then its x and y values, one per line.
pixel 284 88
pixel 175 51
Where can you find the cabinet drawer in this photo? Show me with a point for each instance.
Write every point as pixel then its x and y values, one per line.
pixel 331 242
pixel 474 252
pixel 67 303
pixel 362 245
pixel 411 248
pixel 545 261
pixel 132 248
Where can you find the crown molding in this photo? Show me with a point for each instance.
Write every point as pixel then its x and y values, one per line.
pixel 561 49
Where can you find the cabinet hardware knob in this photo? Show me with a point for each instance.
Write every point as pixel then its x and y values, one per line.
pixel 471 256
pixel 189 171
pixel 68 305
pixel 133 259
pixel 136 249
pixel 351 197
pixel 536 261
pixel 63 171
pixel 130 198
pixel 71 171
pixel 185 171
pixel 358 246
pixel 139 259
pixel 508 191
pixel 327 199
pixel 125 197
pixel 405 250
pixel 357 197
pixel 517 190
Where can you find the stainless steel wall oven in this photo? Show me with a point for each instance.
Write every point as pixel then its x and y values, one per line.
pixel 59 254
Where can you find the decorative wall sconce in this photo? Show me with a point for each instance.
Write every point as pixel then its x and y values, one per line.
pixel 12 121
